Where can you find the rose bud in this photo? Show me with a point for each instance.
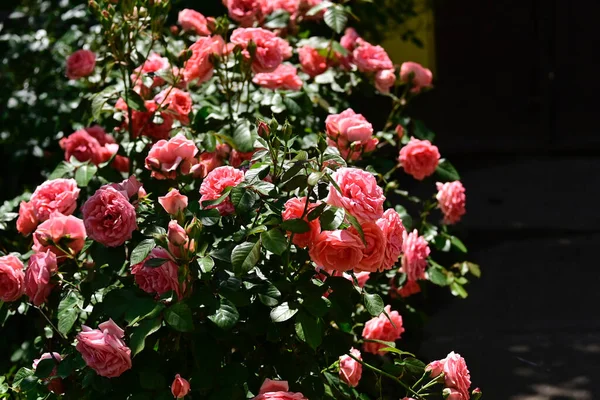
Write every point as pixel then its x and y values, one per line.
pixel 180 387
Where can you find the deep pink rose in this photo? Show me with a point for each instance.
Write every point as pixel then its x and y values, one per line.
pixel 84 147
pixel 350 369
pixel 200 66
pixel 180 387
pixel 54 385
pixel 270 50
pixel 37 276
pixel 27 221
pixel 361 278
pixel 173 202
pixel 293 209
pixel 81 64
pixel 68 232
pixel 104 350
pixel 399 131
pixel 369 58
pixel 408 289
pixel 98 133
pixel 216 182
pixel 55 195
pixel 416 74
pixel 143 122
pixel 348 126
pixel 178 103
pixel 109 217
pixel 380 328
pixel 312 62
pixel 12 278
pixel 419 158
pixel 340 250
pixel 244 11
pixel 166 158
pixel 285 77
pixel 277 390
pixel 191 20
pixel 360 195
pixel 384 80
pixel 456 374
pixel 393 230
pixel 416 250
pixel 236 158
pixel 157 280
pixel 374 251
pixel 451 200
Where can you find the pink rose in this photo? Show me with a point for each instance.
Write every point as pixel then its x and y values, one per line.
pixel 360 195
pixel 348 126
pixel 54 385
pixel 451 200
pixel 236 158
pixel 191 20
pixel 393 230
pixel 293 209
pixel 399 131
pixel 80 64
pixel 109 217
pixel 380 328
pixel 153 64
pixel 84 147
pixel 98 133
pixel 244 11
pixel 160 279
pixel 166 158
pixel 353 150
pixel 270 50
pixel 361 278
pixel 27 221
pixel 216 182
pixel 456 374
pixel 180 387
pixel 312 62
pixel 416 74
pixel 12 278
pixel 419 158
pixel 142 122
pixel 199 66
pixel 369 58
pixel 384 80
pixel 374 252
pixel 173 202
pixel 289 6
pixel 178 102
pixel 350 40
pixel 340 250
pixel 408 289
pixel 285 77
pixel 180 245
pixel 37 276
pixel 277 390
pixel 350 369
pixel 104 350
pixel 55 195
pixel 129 187
pixel 66 232
pixel 414 261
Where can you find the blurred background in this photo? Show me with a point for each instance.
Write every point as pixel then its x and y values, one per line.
pixel 513 107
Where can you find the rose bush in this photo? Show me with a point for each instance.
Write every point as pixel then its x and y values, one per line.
pixel 240 224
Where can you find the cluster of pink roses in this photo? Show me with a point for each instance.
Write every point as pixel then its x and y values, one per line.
pixel 95 145
pixel 247 12
pixel 350 133
pixel 456 376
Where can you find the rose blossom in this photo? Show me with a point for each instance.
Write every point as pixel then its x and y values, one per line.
pixel 84 147
pixel 360 195
pixel 416 250
pixel 166 158
pixel 236 158
pixel 380 328
pixel 180 245
pixel 369 58
pixel 109 217
pixel 416 74
pixel 312 62
pixel 143 122
pixel 104 350
pixel 55 195
pixel 408 289
pixel 12 278
pixel 216 182
pixel 244 11
pixel 129 187
pixel 361 278
pixel 294 208
pixel 456 374
pixel 285 77
pixel 180 387
pixel 81 64
pixel 289 6
pixel 191 20
pixel 66 231
pixel 178 102
pixel 384 80
pixel 153 64
pixel 277 390
pixel 393 230
pixel 350 39
pixel 349 126
pixel 199 65
pixel 419 158
pixel 27 221
pixel 270 50
pixel 374 251
pixel 37 276
pixel 340 250
pixel 350 369
pixel 157 280
pixel 54 385
pixel 173 202
pixel 451 200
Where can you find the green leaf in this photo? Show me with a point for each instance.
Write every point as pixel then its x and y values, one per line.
pixel 283 312
pixel 269 294
pixel 242 136
pixel 354 222
pixel 446 171
pixel 244 257
pixel 396 351
pixel 206 264
pixel 68 311
pixel 456 242
pixel 61 170
pixel 292 171
pixel 405 216
pixel 135 101
pixel 295 225
pixel 99 99
pixel 308 329
pixel 373 304
pixel 473 268
pixel 146 328
pixel 226 315
pixel 292 106
pixel 257 172
pixel 437 276
pixel 332 218
pixel 458 290
pixel 274 241
pixel 141 251
pixel 179 316
pixel 44 368
pixel 421 131
pixel 316 212
pixel 335 17
pixel 318 8
pixel 242 199
pixel 218 200
pixel 209 217
pixel 22 374
pixel 155 262
pixel 84 174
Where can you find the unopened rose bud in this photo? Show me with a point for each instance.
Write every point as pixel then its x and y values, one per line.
pixel 476 394
pixel 399 131
pixel 174 29
pixel 194 227
pixel 176 234
pixel 180 387
pixel 263 129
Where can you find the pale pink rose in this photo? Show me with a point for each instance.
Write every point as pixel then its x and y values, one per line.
pixel 143 122
pixel 81 64
pixel 216 182
pixel 104 350
pixel 12 285
pixel 419 158
pixel 384 80
pixel 451 200
pixel 178 103
pixel 380 328
pixel 339 250
pixel 54 385
pixel 293 209
pixel 416 250
pixel 350 40
pixel 361 278
pixel 349 126
pixel 37 276
pixel 312 62
pixel 109 217
pixel 68 232
pixel 244 11
pixel 166 158
pixel 236 158
pixel 180 387
pixel 84 147
pixel 284 77
pixel 360 195
pixel 159 280
pixel 369 58
pixel 180 245
pixel 393 230
pixel 173 202
pixel 199 66
pixel 129 187
pixel 374 251
pixel 456 374
pixel 417 75
pixel 191 20
pixel 27 221
pixel 55 195
pixel 270 50
pixel 277 390
pixel 350 369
